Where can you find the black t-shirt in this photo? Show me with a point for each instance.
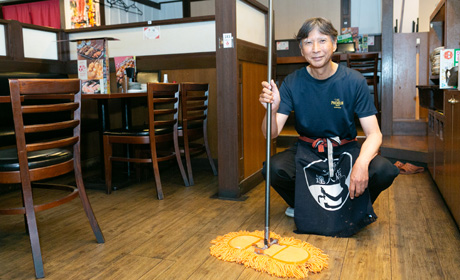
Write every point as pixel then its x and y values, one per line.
pixel 326 108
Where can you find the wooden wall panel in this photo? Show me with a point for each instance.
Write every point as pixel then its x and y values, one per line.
pixel 387 67
pixel 407 118
pixel 252 115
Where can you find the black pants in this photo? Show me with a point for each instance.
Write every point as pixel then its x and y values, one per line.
pixel 282 168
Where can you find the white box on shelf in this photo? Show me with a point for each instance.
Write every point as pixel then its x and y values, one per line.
pixel 448 67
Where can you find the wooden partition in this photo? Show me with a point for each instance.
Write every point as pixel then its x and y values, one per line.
pixel 240 70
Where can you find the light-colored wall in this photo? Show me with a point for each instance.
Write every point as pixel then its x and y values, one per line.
pixel 250 24
pixel 2 40
pixel 290 15
pixel 203 8
pixel 367 15
pixel 426 7
pixel 39 44
pixel 410 13
pixel 174 38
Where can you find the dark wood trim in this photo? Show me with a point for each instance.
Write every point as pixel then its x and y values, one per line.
pixel 250 182
pixel 402 154
pixel 387 67
pixel 149 3
pixel 177 61
pixel 409 127
pixel 345 14
pixel 186 13
pixel 36 27
pixel 102 11
pixel 257 5
pixel 62 12
pixel 63 46
pixel 227 102
pixel 251 52
pixel 143 24
pixel 21 2
pixel 14 41
pixel 34 66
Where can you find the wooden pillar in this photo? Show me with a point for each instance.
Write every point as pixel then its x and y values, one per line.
pixel 387 67
pixel 15 43
pixel 227 101
pixel 345 13
pixel 186 8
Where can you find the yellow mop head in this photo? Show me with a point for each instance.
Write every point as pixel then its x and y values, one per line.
pixel 290 257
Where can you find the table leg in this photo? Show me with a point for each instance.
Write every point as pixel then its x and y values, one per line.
pixel 104 124
pixel 127 123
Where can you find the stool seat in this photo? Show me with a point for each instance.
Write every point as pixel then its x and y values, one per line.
pixel 192 125
pixel 37 159
pixel 137 131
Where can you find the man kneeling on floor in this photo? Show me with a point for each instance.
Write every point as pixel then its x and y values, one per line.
pixel 328 178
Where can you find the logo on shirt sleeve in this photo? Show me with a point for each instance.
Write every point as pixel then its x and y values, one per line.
pixel 337 103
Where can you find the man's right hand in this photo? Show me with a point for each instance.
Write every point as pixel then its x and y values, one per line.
pixel 270 94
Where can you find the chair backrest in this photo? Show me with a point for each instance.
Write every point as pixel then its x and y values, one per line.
pixel 366 63
pixel 163 104
pixel 336 58
pixel 50 108
pixel 194 104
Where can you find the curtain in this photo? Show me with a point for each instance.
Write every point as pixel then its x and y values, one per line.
pixel 44 13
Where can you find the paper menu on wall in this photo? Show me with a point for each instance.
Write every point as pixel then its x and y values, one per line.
pixel 121 63
pixel 448 68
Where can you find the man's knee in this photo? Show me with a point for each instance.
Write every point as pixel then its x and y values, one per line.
pixel 276 167
pixel 382 171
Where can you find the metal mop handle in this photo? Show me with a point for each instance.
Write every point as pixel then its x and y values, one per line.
pixel 269 128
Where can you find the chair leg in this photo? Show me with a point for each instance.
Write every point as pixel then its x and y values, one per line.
pixel 187 158
pixel 84 200
pixel 179 160
pixel 208 151
pixel 156 170
pixel 108 164
pixel 32 229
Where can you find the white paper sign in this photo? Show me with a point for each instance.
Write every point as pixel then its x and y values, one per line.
pixel 228 40
pixel 82 70
pixel 282 46
pixel 151 32
pixel 370 40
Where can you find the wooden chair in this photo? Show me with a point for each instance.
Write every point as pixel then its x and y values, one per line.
pixel 56 104
pixel 163 103
pixel 194 112
pixel 367 64
pixel 336 58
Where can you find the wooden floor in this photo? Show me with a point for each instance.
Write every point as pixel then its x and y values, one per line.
pixel 413 238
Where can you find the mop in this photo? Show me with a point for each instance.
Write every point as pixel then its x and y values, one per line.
pixel 266 251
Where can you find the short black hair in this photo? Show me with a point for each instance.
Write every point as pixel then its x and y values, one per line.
pixel 324 26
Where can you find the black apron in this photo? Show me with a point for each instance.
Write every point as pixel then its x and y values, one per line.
pixel 322 202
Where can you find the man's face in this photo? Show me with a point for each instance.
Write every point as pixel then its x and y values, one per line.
pixel 318 48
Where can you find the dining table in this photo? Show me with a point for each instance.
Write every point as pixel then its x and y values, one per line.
pixel 104 116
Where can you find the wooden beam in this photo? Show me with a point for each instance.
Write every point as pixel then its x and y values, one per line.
pixel 186 8
pixel 149 3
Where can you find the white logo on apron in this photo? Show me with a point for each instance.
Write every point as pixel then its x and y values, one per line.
pixel 330 193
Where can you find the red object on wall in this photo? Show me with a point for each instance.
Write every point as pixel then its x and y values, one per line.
pixel 44 13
